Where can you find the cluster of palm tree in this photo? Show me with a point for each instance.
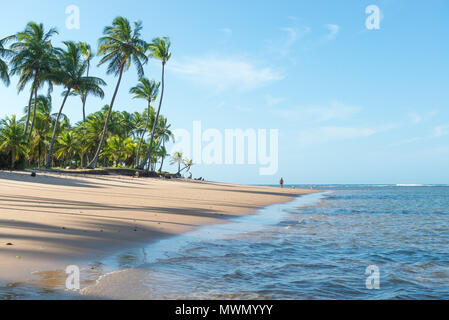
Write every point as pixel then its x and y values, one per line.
pixel 46 138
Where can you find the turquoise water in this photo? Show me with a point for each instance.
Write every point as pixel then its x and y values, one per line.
pixel 317 247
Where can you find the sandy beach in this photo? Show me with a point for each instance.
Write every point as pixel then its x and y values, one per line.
pixel 52 220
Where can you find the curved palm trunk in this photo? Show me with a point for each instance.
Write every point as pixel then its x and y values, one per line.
pixel 156 120
pixel 94 161
pixel 162 164
pixel 29 111
pixel 50 151
pixel 162 160
pixel 34 115
pixel 84 98
pixel 143 135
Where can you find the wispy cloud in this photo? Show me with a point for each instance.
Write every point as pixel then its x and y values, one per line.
pixel 333 29
pixel 416 118
pixel 227 31
pixel 327 134
pixel 283 46
pixel 334 110
pixel 292 36
pixel 440 131
pixel 436 132
pixel 226 73
pixel 226 35
pixel 273 101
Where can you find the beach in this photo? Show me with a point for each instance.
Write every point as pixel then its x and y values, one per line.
pixel 52 220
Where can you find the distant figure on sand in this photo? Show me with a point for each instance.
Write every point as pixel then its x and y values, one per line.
pixel 281 183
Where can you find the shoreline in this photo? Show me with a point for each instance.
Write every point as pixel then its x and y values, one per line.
pixel 54 220
pixel 116 275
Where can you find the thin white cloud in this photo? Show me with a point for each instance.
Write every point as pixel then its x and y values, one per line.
pixel 227 32
pixel 222 74
pixel 333 29
pixel 323 135
pixel 440 131
pixel 273 101
pixel 335 110
pixel 437 132
pixel 416 118
pixel 292 36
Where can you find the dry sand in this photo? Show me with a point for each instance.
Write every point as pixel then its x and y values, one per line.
pixel 53 220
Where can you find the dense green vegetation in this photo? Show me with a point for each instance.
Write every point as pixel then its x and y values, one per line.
pixel 45 137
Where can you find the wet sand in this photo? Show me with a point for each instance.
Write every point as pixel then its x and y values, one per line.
pixel 53 220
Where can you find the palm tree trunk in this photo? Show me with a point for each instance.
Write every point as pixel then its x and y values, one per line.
pixel 34 114
pixel 162 163
pixel 143 135
pixel 83 99
pixel 13 158
pixel 84 96
pixel 39 154
pixel 50 151
pixel 29 110
pixel 157 117
pixel 94 161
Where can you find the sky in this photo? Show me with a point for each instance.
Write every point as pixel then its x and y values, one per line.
pixel 351 104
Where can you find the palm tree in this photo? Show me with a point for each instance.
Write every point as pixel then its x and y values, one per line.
pixel 44 122
pixel 165 134
pixel 67 146
pixel 159 49
pixel 147 90
pixel 162 153
pixel 33 60
pixel 177 158
pixel 119 149
pixel 12 138
pixel 4 53
pixel 86 51
pixel 120 46
pixel 70 74
pixel 188 163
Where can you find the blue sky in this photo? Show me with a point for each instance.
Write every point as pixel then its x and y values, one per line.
pixel 352 105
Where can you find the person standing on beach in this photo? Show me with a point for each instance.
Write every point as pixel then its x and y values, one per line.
pixel 281 182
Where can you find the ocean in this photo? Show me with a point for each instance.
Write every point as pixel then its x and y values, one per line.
pixel 349 242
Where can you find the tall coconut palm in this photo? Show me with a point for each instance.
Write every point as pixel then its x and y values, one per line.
pixel 12 138
pixel 86 51
pixel 34 57
pixel 120 47
pixel 70 74
pixel 159 49
pixel 147 90
pixel 4 53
